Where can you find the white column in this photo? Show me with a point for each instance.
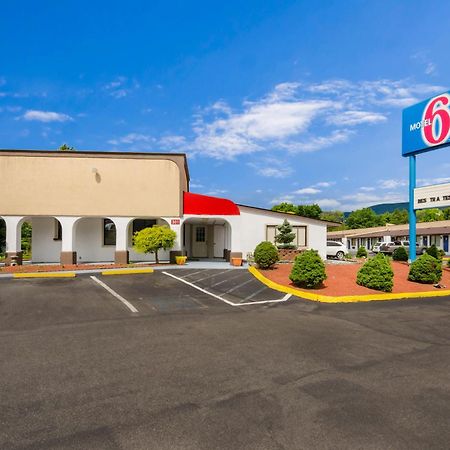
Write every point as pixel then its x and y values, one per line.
pixel 68 233
pixel 13 233
pixel 121 224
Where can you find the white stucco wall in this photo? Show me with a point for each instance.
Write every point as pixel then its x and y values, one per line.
pixel 43 247
pixel 254 223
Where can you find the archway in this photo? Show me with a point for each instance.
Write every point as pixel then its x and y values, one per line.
pixel 206 238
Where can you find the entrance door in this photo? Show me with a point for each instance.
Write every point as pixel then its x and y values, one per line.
pixel 199 245
pixel 219 241
pixel 445 244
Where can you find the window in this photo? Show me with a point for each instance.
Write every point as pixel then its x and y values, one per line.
pixel 200 234
pixel 109 232
pixel 57 230
pixel 140 224
pixel 299 231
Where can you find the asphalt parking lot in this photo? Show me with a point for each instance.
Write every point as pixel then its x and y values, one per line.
pixel 80 370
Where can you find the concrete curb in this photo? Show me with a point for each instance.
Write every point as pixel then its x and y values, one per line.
pixel 44 275
pixel 345 298
pixel 126 271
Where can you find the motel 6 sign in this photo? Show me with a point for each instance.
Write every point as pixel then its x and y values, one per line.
pixel 426 125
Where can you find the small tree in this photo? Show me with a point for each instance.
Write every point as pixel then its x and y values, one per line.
pixel 308 270
pixel 362 252
pixel 434 252
pixel 377 274
pixel 285 235
pixel 150 240
pixel 265 255
pixel 400 254
pixel 425 269
pixel 66 148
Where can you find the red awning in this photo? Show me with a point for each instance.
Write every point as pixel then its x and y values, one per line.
pixel 209 206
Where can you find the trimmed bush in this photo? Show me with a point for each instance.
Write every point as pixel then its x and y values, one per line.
pixel 434 252
pixel 400 254
pixel 362 252
pixel 308 270
pixel 377 274
pixel 265 254
pixel 425 269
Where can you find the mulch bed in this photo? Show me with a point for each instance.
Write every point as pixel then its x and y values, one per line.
pixel 32 268
pixel 341 279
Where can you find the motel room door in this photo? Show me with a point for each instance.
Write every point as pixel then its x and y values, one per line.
pixel 199 242
pixel 219 241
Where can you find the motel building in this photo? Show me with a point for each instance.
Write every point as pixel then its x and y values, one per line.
pixel 428 233
pixel 85 206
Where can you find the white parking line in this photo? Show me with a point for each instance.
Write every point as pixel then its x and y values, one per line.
pixel 189 274
pixel 239 285
pixel 286 297
pixel 210 276
pixel 256 293
pixel 227 279
pixel 115 294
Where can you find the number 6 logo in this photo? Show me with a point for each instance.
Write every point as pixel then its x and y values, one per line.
pixel 436 120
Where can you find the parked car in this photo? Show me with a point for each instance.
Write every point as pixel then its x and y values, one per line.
pixel 388 247
pixel 377 247
pixel 336 249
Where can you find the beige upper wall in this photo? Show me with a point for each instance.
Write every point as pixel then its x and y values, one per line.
pixel 66 184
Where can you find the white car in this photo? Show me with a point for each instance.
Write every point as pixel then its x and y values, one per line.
pixel 377 247
pixel 336 249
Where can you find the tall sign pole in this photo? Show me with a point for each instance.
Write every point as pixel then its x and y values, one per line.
pixel 425 127
pixel 412 211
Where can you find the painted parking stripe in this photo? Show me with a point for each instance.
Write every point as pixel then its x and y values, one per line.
pixel 237 287
pixel 194 273
pixel 210 276
pixel 227 279
pixel 262 302
pixel 115 294
pixel 256 293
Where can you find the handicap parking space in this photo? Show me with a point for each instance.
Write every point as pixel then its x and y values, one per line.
pixel 238 287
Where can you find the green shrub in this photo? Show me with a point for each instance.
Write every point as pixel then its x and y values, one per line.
pixel 308 270
pixel 265 255
pixel 425 269
pixel 448 263
pixel 377 274
pixel 153 239
pixel 434 252
pixel 285 235
pixel 362 252
pixel 400 254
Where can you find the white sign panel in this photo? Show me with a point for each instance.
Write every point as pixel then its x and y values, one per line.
pixel 436 196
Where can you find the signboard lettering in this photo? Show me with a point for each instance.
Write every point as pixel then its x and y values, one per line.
pixel 437 196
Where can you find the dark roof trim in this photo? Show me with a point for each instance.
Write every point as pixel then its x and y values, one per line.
pixel 330 224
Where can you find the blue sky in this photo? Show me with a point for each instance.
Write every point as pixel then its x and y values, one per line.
pixel 276 100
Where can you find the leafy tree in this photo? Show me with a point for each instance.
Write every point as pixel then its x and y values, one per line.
pixel 430 215
pixel 313 211
pixel 265 255
pixel 333 216
pixel 399 217
pixel 66 148
pixel 285 207
pixel 285 235
pixel 362 218
pixel 153 239
pixel 446 213
pixel 26 238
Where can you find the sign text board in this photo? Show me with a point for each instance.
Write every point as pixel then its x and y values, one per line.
pixel 426 125
pixel 437 196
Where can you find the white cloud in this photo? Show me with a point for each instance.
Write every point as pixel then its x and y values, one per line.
pixel 391 184
pixel 430 68
pixel 132 138
pixel 367 188
pixel 274 172
pixel 431 181
pixel 328 203
pixel 285 198
pixel 120 87
pixel 307 191
pixel 324 184
pixel 45 116
pixel 356 118
pixel 174 141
